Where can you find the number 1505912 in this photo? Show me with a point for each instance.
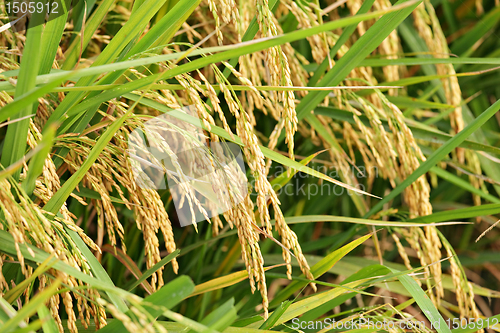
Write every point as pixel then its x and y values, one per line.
pixel 31 7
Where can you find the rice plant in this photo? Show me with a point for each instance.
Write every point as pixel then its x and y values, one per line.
pixel 249 166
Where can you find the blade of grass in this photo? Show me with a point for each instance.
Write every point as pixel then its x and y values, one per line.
pixel 156 267
pixel 29 98
pixel 424 303
pixel 192 324
pixel 457 214
pixel 129 264
pixel 124 36
pixel 16 166
pixel 275 316
pixel 48 323
pixel 318 269
pixel 8 246
pixel 31 307
pixel 222 282
pixel 163 31
pixel 346 33
pixel 321 283
pixel 13 294
pixel 73 52
pixel 371 62
pixel 362 274
pixel 220 318
pixel 304 305
pixel 347 219
pixel 178 328
pixel 463 184
pixel 166 298
pixel 281 180
pixel 51 37
pixel 18 132
pixel 36 164
pixel 410 102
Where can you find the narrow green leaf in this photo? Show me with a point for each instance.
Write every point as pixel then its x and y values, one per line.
pixel 348 219
pixel 91 25
pixel 98 271
pixel 36 164
pixel 8 246
pixel 346 33
pixel 488 22
pixel 459 214
pixel 180 328
pixel 424 303
pixel 275 316
pixel 193 325
pixel 281 180
pixel 48 323
pixel 164 30
pixel 167 297
pixel 298 308
pixel 13 294
pixel 156 267
pixel 318 269
pixel 30 308
pixel 29 98
pixel 404 102
pixel 16 135
pixel 463 184
pixel 220 318
pixel 222 282
pixel 372 62
pixel 51 37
